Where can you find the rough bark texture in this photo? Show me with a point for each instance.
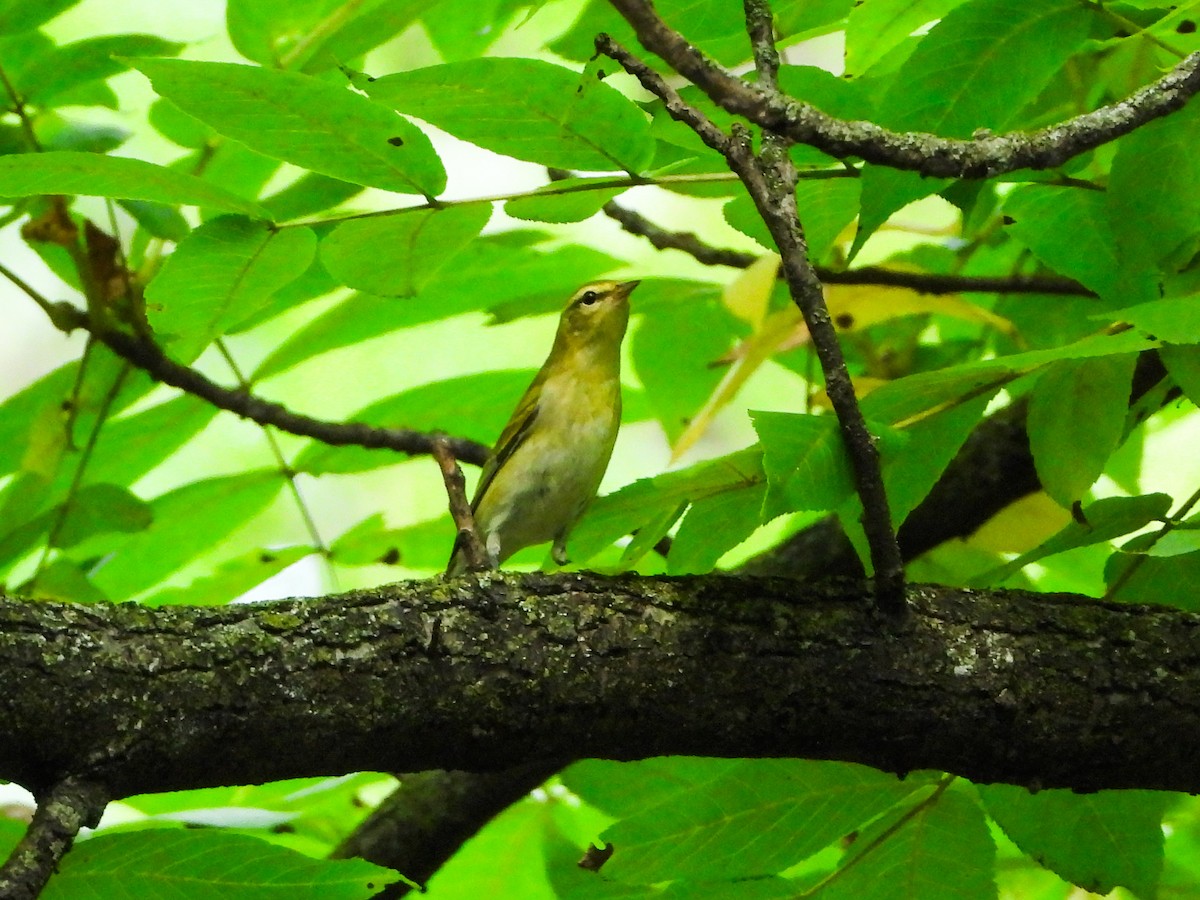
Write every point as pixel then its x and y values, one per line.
pixel 1039 690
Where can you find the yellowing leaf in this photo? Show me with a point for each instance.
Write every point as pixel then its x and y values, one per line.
pixel 1022 524
pixel 857 306
pixel 755 350
pixel 748 295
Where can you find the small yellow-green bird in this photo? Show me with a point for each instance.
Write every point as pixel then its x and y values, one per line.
pixel 547 465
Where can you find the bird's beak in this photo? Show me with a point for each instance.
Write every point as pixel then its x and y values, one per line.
pixel 626 287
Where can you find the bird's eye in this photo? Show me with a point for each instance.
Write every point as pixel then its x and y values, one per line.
pixel 589 297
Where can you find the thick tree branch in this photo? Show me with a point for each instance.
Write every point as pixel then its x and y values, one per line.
pixel 504 670
pixel 918 152
pixel 425 820
pixel 63 809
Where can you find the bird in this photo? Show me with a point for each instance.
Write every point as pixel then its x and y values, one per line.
pixel 551 456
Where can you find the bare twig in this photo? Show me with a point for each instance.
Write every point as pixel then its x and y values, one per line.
pixel 289 474
pixel 918 152
pixel 68 806
pixel 146 355
pixel 924 282
pixel 468 541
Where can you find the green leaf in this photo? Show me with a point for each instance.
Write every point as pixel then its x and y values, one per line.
pixel 826 207
pixel 528 109
pixel 298 119
pixel 399 254
pixel 713 526
pixel 24 15
pixel 568 200
pixel 1154 190
pixel 93 175
pixel 1175 320
pixel 189 864
pixel 804 460
pixel 230 579
pixel 175 125
pixel 160 220
pixel 1076 419
pixel 622 512
pixel 309 194
pixel 425 545
pixel 63 579
pixel 220 275
pixel 135 443
pixel 719 29
pixel 49 77
pixel 674 347
pixel 942 852
pixel 1068 230
pixel 1183 362
pixel 1102 521
pixel 1133 576
pixel 188 521
pixel 960 78
pixel 1096 841
pixel 874 29
pixel 100 508
pixel 475 406
pixel 720 826
pixel 509 272
pixel 912 466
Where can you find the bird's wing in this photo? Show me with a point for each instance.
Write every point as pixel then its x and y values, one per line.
pixel 511 438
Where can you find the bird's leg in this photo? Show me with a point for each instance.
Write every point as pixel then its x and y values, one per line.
pixel 559 551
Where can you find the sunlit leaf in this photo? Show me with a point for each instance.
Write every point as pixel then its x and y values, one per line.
pixel 192 864
pixel 301 120
pixel 714 828
pixel 1076 418
pixel 91 174
pixel 400 254
pixel 528 109
pixel 1097 841
pixel 220 275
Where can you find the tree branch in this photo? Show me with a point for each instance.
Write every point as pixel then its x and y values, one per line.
pixel 149 357
pixel 504 670
pixel 467 540
pixel 770 180
pixel 924 282
pixel 62 810
pixel 425 820
pixel 918 152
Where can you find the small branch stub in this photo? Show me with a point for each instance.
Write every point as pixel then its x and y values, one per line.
pixel 467 541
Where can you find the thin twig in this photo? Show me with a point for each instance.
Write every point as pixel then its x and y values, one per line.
pixel 771 183
pixel 876 842
pixel 915 151
pixel 18 107
pixel 923 282
pixel 468 540
pixel 306 516
pixel 67 507
pixel 62 811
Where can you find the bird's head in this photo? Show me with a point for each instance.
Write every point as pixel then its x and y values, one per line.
pixel 598 314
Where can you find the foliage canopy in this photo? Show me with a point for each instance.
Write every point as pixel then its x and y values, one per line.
pixel 369 211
